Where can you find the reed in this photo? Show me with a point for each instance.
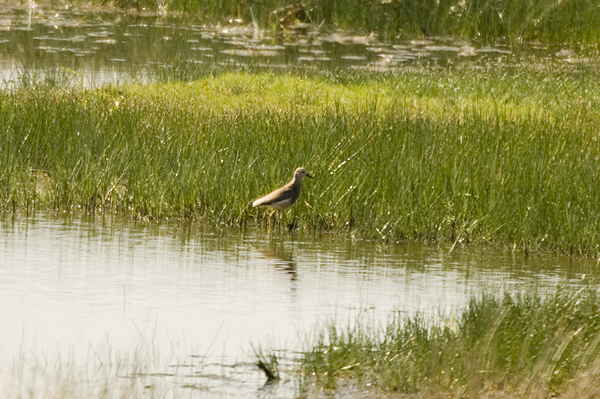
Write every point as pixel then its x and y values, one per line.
pixel 525 345
pixel 508 159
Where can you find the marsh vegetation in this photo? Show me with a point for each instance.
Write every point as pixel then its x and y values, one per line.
pixel 513 346
pixel 508 159
pixel 572 21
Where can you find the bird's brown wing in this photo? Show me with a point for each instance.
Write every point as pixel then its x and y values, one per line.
pixel 281 194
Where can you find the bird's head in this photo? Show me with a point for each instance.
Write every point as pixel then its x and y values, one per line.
pixel 301 173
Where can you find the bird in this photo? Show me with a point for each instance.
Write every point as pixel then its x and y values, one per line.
pixel 285 196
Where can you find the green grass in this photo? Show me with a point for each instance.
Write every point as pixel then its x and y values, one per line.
pixel 516 346
pixel 551 21
pixel 508 159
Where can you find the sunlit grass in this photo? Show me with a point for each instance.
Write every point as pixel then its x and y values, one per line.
pixel 516 346
pixel 510 159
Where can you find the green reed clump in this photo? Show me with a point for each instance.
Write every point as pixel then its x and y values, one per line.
pixel 508 159
pixel 528 345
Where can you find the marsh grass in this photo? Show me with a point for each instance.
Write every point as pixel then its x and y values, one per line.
pixel 523 345
pixel 269 364
pixel 509 159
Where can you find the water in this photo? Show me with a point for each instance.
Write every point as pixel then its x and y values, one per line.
pixel 92 47
pixel 70 284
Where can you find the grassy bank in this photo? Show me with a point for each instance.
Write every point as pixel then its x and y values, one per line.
pixel 515 346
pixel 508 159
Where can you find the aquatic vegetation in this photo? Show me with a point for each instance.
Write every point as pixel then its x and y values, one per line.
pixel 525 345
pixel 105 372
pixel 457 157
pixel 548 20
pixel 269 364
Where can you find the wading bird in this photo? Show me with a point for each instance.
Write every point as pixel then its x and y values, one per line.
pixel 284 197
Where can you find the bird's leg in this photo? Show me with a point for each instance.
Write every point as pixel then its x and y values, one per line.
pixel 271 220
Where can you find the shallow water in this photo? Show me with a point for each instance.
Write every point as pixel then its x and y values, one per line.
pixel 70 284
pixel 91 47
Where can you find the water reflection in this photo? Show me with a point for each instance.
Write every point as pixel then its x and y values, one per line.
pixel 95 47
pixel 280 257
pixel 68 283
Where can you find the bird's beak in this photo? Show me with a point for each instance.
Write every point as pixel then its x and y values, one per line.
pixel 307 175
